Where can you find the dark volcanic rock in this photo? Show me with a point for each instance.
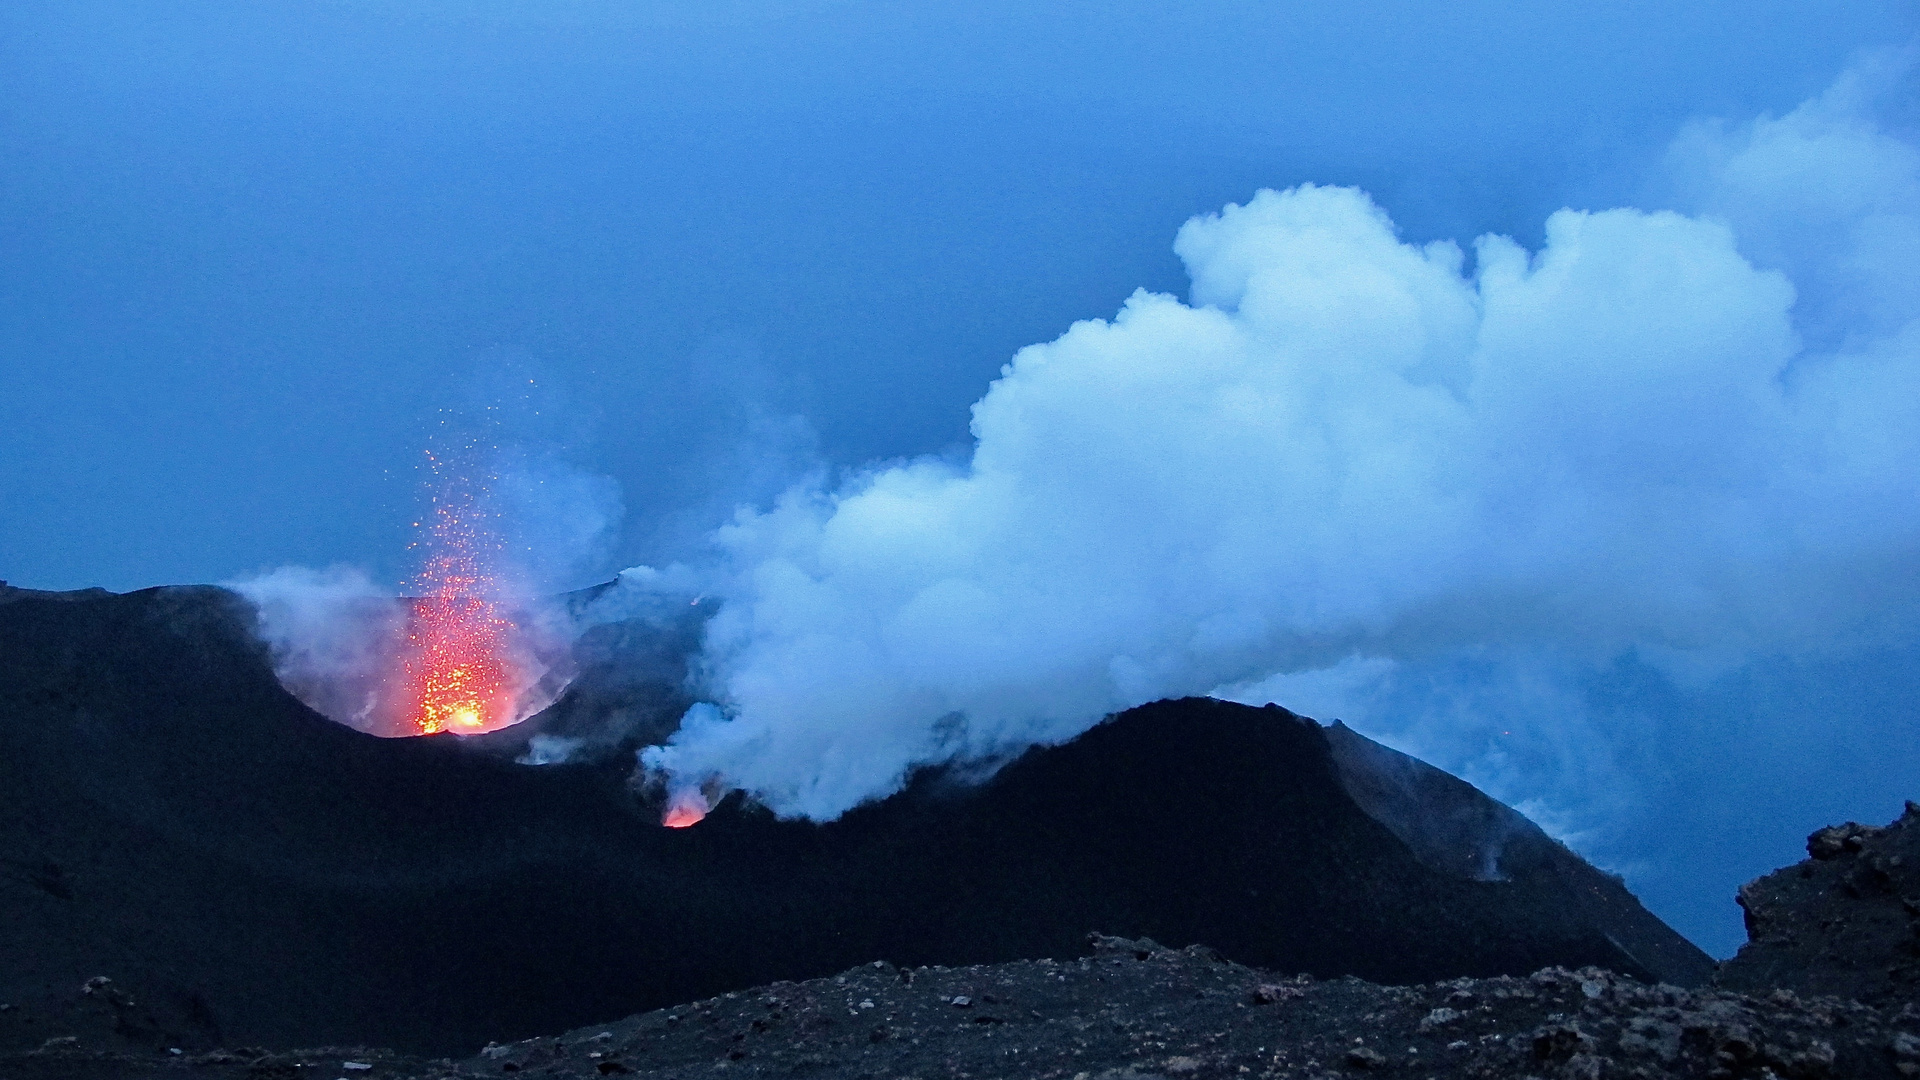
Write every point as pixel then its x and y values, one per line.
pixel 1450 826
pixel 1135 1011
pixel 10 593
pixel 245 872
pixel 628 689
pixel 1845 922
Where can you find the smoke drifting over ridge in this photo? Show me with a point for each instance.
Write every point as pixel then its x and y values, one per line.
pixel 1350 473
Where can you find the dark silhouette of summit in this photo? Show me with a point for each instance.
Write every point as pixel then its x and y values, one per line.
pixel 247 872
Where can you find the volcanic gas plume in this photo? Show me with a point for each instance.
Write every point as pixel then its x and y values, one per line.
pixel 1518 506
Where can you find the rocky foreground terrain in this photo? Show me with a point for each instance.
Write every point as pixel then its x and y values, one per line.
pixel 1842 926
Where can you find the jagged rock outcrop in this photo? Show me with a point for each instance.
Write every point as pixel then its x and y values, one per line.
pixel 1845 922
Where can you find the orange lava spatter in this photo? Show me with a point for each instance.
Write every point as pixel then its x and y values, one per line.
pixel 456 665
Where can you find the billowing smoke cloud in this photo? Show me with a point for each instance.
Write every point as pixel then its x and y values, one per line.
pixel 1452 494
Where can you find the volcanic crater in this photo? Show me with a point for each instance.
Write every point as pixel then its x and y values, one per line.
pixel 192 861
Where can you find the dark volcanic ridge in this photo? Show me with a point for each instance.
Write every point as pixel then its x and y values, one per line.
pixel 242 871
pixel 1134 1010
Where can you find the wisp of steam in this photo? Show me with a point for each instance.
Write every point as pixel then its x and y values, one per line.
pixel 1685 439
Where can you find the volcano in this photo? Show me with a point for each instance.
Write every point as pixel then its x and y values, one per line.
pixel 245 871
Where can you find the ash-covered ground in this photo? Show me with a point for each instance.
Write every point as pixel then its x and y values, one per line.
pixel 250 873
pixel 1134 1010
pixel 198 873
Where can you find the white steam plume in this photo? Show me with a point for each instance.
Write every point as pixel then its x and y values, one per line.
pixel 1350 455
pixel 331 634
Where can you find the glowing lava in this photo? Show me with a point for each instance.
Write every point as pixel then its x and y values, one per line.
pixel 685 808
pixel 456 667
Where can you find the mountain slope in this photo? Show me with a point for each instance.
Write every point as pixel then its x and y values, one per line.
pixel 246 871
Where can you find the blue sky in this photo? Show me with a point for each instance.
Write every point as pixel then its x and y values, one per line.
pixel 248 251
pixel 680 258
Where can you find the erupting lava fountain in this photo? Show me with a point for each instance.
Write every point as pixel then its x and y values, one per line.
pixel 471 650
pixel 464 668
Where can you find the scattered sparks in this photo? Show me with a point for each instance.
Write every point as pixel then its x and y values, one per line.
pixel 456 664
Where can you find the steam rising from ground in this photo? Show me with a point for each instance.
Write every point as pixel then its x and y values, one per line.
pixel 1412 485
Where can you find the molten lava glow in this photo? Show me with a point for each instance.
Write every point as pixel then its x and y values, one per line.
pixel 458 675
pixel 685 808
